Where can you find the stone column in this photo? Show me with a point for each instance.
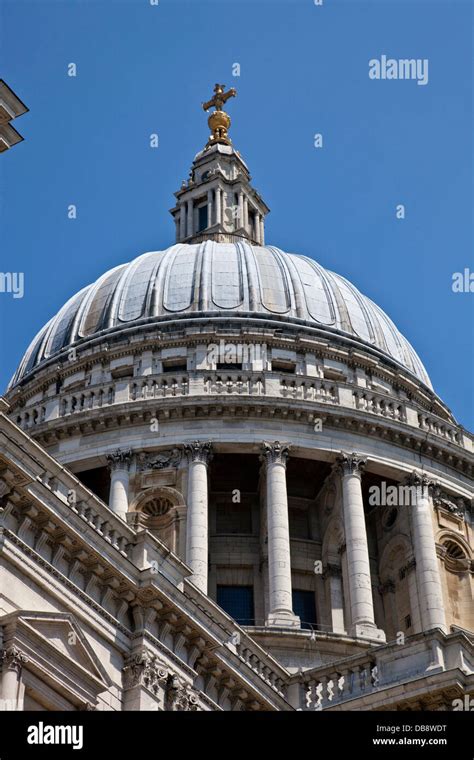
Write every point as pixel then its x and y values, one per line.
pixel 428 578
pixel 218 206
pixel 263 531
pixel 240 220
pixel 190 229
pixel 199 455
pixel 245 217
pixel 280 613
pixel 119 465
pixel 182 222
pixel 413 595
pixel 209 208
pixel 224 197
pixel 358 563
pixel 333 577
pixel 387 591
pixel 12 692
pixel 257 227
pixel 262 231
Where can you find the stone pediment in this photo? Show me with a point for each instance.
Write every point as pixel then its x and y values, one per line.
pixel 65 635
pixel 53 643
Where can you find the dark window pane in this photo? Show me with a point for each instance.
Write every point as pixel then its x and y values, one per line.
pixel 97 480
pixel 175 366
pixel 237 601
pixel 299 525
pixel 202 218
pixel 229 366
pixel 233 517
pixel 282 366
pixel 304 606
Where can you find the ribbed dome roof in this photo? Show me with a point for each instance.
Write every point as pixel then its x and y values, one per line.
pixel 221 279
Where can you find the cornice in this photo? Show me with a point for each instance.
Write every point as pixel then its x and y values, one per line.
pixel 144 336
pixel 256 407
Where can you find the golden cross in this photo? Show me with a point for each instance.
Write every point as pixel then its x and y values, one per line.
pixel 220 97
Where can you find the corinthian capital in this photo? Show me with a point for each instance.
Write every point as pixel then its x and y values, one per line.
pixel 120 459
pixel 144 669
pixel 350 464
pixel 13 659
pixel 180 696
pixel 419 480
pixel 276 452
pixel 198 451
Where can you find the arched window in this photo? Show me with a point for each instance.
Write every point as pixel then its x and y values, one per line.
pixel 397 583
pixel 161 510
pixel 457 584
pixel 455 555
pixel 157 506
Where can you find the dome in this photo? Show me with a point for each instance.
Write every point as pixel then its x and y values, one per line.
pixel 215 279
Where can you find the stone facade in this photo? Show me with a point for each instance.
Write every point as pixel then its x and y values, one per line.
pixel 158 473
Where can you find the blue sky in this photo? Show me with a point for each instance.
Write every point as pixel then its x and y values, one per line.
pixel 143 69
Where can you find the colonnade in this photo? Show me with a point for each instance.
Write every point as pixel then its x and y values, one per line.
pixel 349 468
pixel 216 206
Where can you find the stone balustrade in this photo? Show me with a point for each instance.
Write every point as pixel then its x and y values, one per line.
pixel 439 427
pixel 103 527
pixel 309 389
pixel 336 684
pixel 220 237
pixel 220 383
pixel 159 387
pixel 95 398
pixel 240 383
pixel 67 403
pixel 94 512
pixel 378 403
pixel 370 675
pixel 252 660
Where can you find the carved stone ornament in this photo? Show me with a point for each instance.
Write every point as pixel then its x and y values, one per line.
pixel 350 464
pixel 419 480
pixel 158 461
pixel 329 497
pixel 452 504
pixel 275 453
pixel 13 659
pixel 180 696
pixel 332 571
pixel 199 451
pixel 403 571
pixel 388 587
pixel 5 489
pixel 5 493
pixel 120 459
pixel 144 669
pixel 156 506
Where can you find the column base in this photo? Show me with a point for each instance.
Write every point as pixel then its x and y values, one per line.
pixel 283 620
pixel 368 631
